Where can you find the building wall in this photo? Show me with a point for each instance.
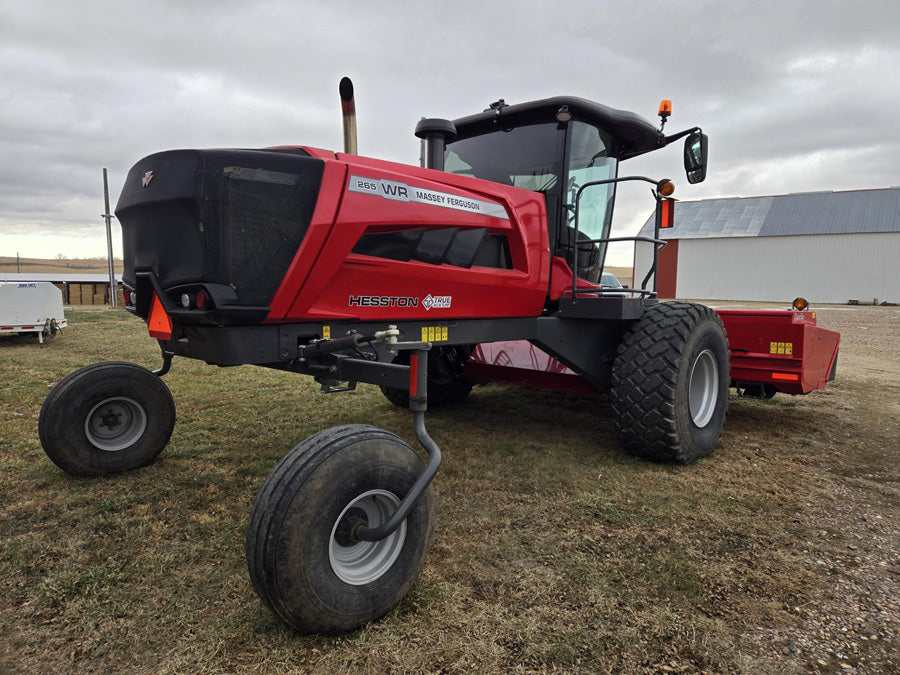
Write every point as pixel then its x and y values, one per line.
pixel 667 264
pixel 825 268
pixel 643 259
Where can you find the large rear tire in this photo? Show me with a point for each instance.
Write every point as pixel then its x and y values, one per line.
pixel 670 383
pixel 106 418
pixel 302 559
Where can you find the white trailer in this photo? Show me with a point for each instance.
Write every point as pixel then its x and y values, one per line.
pixel 31 307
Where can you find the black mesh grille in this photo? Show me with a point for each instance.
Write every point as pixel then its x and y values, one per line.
pixel 232 217
pixel 264 215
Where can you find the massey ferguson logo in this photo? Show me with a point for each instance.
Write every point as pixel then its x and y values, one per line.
pixel 145 181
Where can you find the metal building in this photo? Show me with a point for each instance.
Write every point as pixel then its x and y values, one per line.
pixel 829 247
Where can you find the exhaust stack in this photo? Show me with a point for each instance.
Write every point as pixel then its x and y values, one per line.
pixel 348 108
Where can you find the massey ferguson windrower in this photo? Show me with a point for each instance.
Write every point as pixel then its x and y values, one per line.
pixel 352 269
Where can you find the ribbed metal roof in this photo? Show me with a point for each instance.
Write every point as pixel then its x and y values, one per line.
pixel 810 213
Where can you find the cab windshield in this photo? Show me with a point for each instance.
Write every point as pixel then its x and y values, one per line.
pixel 528 157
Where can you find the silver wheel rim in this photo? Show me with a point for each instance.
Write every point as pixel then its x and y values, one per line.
pixel 115 423
pixel 366 561
pixel 703 388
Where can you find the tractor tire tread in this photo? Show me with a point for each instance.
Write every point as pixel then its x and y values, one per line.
pixel 645 376
pixel 299 476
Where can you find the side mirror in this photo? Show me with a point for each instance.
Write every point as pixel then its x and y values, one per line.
pixel 695 153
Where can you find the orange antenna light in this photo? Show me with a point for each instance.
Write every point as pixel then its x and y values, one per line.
pixel 665 109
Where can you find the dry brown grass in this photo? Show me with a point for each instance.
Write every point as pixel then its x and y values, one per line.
pixel 553 549
pixel 56 265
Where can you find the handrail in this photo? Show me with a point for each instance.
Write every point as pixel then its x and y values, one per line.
pixel 658 243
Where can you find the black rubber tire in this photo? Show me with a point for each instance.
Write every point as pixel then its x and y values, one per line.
pixel 290 536
pixel 75 434
pixel 651 381
pixel 762 390
pixel 446 383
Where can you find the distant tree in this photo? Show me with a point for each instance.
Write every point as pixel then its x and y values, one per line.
pixel 60 256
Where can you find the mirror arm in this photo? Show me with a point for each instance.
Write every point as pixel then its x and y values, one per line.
pixel 681 134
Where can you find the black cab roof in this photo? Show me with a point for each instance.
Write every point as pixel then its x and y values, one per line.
pixel 633 134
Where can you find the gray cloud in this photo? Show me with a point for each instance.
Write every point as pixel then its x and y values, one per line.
pixel 795 95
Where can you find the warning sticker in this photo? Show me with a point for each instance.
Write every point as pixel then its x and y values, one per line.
pixel 434 334
pixel 786 348
pixel 401 192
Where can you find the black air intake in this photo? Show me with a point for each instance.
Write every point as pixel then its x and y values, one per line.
pixel 231 217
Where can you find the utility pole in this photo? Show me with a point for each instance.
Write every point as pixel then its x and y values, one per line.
pixel 113 288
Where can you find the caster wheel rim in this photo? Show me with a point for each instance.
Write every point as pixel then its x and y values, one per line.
pixel 115 423
pixel 703 388
pixel 363 562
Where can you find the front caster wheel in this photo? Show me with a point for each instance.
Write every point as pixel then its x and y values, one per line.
pixel 304 561
pixel 106 418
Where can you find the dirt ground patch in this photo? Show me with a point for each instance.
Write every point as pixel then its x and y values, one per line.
pixel 553 549
pixel 852 524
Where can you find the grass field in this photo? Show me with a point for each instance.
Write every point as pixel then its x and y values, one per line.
pixel 58 265
pixel 553 549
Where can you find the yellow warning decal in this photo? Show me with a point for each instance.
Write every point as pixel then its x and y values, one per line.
pixel 434 333
pixel 326 332
pixel 786 348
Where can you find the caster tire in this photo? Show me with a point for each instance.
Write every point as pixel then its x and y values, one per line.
pixel 303 561
pixel 106 418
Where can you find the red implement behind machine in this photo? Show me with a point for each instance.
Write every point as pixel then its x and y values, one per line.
pixel 771 351
pixel 350 269
pixel 779 351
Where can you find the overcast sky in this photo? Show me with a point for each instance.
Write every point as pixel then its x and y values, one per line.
pixel 796 96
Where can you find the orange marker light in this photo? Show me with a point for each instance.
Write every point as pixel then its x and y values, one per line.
pixel 665 108
pixel 785 377
pixel 667 213
pixel 159 323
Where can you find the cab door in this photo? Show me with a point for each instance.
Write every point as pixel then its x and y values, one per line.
pixel 589 159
